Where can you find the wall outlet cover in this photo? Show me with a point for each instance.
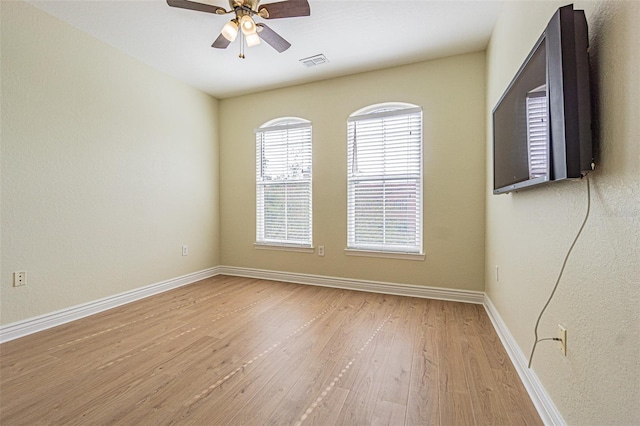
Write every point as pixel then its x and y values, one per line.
pixel 562 343
pixel 19 278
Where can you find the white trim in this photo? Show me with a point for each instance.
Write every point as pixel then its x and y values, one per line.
pixel 399 109
pixel 454 295
pixel 53 319
pixel 385 254
pixel 539 396
pixel 295 123
pixel 283 247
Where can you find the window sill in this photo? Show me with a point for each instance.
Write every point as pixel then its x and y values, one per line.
pixel 277 247
pixel 384 254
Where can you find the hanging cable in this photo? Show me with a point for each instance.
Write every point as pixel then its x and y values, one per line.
pixel 555 287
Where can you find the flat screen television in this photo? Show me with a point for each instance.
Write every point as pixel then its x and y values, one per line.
pixel 542 122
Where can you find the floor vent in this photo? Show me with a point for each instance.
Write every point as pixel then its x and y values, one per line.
pixel 312 61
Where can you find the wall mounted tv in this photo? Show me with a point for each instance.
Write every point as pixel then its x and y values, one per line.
pixel 542 123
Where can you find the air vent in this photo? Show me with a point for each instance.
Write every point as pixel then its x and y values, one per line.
pixel 312 61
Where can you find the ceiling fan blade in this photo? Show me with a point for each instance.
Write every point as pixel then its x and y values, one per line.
pixel 285 9
pixel 221 42
pixel 192 5
pixel 273 38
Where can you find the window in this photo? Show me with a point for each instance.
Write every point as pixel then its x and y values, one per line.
pixel 283 183
pixel 384 182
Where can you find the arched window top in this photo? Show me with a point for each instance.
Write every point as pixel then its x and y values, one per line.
pixel 383 108
pixel 284 122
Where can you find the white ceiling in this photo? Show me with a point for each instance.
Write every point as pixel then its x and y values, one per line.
pixel 355 36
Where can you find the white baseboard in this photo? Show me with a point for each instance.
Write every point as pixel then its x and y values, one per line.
pixel 466 296
pixel 33 325
pixel 539 396
pixel 53 319
pixel 543 403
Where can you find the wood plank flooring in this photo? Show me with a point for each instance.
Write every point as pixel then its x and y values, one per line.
pixel 241 351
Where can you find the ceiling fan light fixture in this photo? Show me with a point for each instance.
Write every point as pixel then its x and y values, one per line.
pixel 230 30
pixel 247 25
pixel 252 39
pixel 243 22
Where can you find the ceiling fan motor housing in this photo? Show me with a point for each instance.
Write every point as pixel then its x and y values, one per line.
pixel 250 4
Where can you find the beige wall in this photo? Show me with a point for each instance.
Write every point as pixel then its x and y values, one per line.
pixel 108 167
pixel 451 92
pixel 528 233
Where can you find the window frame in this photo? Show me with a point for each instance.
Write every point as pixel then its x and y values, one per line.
pixel 411 252
pixel 262 242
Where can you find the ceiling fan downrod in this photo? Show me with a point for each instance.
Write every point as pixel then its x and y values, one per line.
pixel 241 55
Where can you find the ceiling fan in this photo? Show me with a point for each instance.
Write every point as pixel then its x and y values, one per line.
pixel 244 24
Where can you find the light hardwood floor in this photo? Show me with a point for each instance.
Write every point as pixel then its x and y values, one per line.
pixel 241 351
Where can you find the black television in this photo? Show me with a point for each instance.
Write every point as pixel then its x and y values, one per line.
pixel 542 122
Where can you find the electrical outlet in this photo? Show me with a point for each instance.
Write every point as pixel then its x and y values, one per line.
pixel 562 343
pixel 320 250
pixel 185 250
pixel 19 278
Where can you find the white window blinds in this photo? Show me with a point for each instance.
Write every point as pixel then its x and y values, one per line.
pixel 384 182
pixel 283 183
